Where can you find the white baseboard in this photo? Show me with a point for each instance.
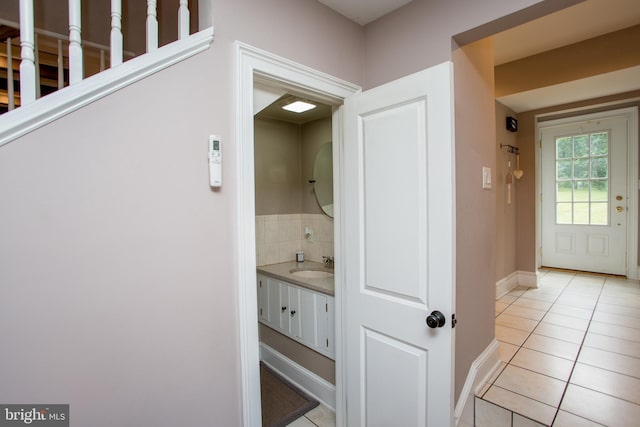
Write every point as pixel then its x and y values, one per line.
pixel 517 278
pixel 300 376
pixel 506 284
pixel 481 370
pixel 528 278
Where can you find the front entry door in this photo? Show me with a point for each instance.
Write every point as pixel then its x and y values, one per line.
pixel 584 195
pixel 399 252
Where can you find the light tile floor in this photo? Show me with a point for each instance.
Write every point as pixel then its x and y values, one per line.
pixel 570 353
pixel 320 416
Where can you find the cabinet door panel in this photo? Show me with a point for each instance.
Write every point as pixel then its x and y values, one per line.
pixel 331 330
pixel 294 311
pixel 273 305
pixel 308 318
pixel 283 323
pixel 322 322
pixel 263 299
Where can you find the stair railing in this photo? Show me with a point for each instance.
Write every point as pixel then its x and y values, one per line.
pixel 29 64
pixel 84 90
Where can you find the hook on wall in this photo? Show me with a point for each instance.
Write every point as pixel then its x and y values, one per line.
pixel 511 148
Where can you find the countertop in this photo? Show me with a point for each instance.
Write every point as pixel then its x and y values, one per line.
pixel 281 271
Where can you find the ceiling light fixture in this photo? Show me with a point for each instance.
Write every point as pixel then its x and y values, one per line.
pixel 299 107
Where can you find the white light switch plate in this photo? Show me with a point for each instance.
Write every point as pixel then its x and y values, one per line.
pixel 486 178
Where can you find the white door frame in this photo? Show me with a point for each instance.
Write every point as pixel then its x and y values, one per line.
pixel 632 269
pixel 251 62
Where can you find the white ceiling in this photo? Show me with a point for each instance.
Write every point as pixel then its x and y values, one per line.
pixel 585 20
pixel 578 90
pixel 582 21
pixel 364 11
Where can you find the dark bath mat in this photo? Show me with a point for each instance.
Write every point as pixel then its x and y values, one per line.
pixel 282 402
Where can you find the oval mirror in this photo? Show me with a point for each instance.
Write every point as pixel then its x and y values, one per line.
pixel 323 176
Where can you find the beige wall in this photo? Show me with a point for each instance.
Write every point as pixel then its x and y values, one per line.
pixel 526 206
pixel 117 266
pixel 599 55
pixel 506 225
pixel 420 34
pixel 277 167
pixel 285 154
pixel 475 207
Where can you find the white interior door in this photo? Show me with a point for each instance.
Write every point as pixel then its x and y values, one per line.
pixel 584 195
pixel 399 252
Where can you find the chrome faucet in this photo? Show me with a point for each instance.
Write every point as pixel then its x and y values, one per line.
pixel 327 261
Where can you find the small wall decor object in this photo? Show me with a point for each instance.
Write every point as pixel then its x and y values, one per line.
pixel 518 172
pixel 509 180
pixel 512 124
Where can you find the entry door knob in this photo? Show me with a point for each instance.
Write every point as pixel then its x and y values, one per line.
pixel 436 320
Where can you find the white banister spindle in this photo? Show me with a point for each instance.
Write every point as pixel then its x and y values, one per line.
pixel 37 61
pixel 27 64
pixel 102 60
pixel 10 88
pixel 60 65
pixel 152 26
pixel 76 67
pixel 183 19
pixel 116 33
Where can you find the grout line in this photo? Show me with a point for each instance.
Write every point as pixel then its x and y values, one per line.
pixel 607 394
pixel 311 421
pixel 617 338
pixel 608 370
pixel 571 286
pixel 566 387
pixel 522 345
pixel 581 416
pixel 522 395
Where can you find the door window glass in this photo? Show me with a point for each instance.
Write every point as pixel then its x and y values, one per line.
pixel 582 179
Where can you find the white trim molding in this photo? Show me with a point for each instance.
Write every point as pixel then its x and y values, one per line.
pixel 28 118
pixel 301 377
pixel 253 64
pixel 530 279
pixel 506 284
pixel 515 279
pixel 479 374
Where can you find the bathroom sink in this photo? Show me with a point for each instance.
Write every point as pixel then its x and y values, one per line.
pixel 312 273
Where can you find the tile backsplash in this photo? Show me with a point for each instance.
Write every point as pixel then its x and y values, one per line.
pixel 279 237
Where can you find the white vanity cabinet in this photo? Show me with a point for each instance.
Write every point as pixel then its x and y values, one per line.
pixel 299 313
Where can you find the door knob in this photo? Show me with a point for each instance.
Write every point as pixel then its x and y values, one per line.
pixel 619 208
pixel 436 319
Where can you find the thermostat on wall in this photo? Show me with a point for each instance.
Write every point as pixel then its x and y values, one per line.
pixel 215 161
